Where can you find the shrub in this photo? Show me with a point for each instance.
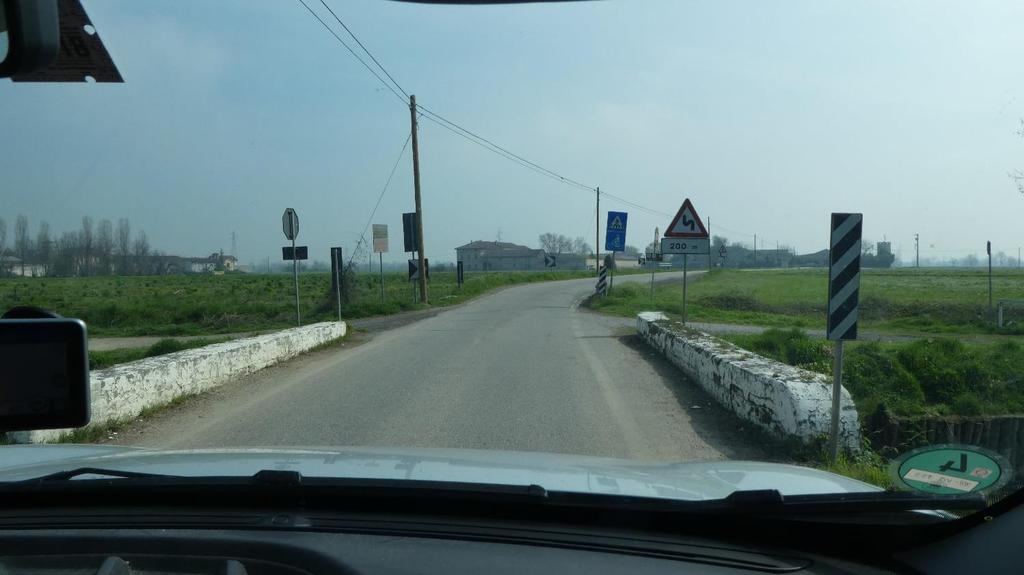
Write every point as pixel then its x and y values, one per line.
pixel 874 376
pixel 943 367
pixel 967 404
pixel 792 346
pixel 166 345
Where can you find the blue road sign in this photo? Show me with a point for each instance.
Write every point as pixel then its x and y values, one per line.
pixel 615 232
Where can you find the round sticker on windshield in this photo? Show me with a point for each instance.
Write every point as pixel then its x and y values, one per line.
pixel 950 470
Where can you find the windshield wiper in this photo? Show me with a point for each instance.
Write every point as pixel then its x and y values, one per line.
pixel 79 471
pixel 768 502
pixel 771 502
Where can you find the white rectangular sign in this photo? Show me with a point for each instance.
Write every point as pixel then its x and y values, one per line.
pixel 941 480
pixel 380 238
pixel 691 246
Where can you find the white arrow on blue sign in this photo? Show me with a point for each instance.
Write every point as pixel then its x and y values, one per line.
pixel 615 232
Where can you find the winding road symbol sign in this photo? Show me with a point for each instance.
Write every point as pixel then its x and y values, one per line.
pixel 687 223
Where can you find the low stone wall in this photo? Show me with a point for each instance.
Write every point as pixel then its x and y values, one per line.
pixel 785 401
pixel 123 391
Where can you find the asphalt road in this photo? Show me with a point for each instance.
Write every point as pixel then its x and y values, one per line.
pixel 520 369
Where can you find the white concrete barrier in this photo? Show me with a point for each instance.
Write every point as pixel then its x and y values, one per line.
pixel 123 391
pixel 785 401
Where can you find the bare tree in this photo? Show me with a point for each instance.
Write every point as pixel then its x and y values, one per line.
pixel 580 246
pixel 549 242
pixel 564 244
pixel 124 245
pixel 140 252
pixel 65 256
pixel 44 247
pixel 105 247
pixel 22 243
pixel 85 244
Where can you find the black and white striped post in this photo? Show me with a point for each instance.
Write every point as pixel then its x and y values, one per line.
pixel 843 296
pixel 602 281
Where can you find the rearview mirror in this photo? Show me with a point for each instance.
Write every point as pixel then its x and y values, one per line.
pixel 29 36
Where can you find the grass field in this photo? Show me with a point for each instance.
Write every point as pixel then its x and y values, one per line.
pixel 208 304
pixel 898 301
pixel 931 376
pixel 961 364
pixel 108 358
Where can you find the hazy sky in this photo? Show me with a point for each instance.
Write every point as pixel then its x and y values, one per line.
pixel 768 115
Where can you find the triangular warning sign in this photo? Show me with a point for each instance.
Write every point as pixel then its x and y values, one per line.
pixel 616 223
pixel 686 224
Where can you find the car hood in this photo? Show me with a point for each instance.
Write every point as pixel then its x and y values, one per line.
pixel 554 472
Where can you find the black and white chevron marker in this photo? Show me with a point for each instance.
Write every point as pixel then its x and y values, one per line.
pixel 844 276
pixel 602 281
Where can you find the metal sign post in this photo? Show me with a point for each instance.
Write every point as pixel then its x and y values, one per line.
pixel 380 245
pixel 460 273
pixel 684 289
pixel 336 260
pixel 609 262
pixel 843 298
pixel 654 265
pixel 290 224
pixel 988 248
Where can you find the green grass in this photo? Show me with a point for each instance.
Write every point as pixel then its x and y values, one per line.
pixel 208 304
pixel 933 376
pixel 864 466
pixel 105 359
pixel 907 301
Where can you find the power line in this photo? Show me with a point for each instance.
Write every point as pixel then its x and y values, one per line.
pixel 551 173
pixel 488 144
pixel 368 53
pixel 353 52
pixel 651 211
pixel 499 152
pixel 460 130
pixel 387 184
pixel 452 126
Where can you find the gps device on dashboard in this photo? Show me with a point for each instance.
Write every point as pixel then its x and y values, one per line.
pixel 44 374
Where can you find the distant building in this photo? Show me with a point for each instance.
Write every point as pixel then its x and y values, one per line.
pixel 12 266
pixel 817 259
pixel 882 258
pixel 216 262
pixel 506 256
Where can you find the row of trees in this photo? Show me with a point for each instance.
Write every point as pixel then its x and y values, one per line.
pixel 93 249
pixel 559 244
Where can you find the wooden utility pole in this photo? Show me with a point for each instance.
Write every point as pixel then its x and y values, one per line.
pixel 597 235
pixel 419 206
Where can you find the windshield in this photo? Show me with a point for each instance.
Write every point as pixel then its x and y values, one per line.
pixel 652 234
